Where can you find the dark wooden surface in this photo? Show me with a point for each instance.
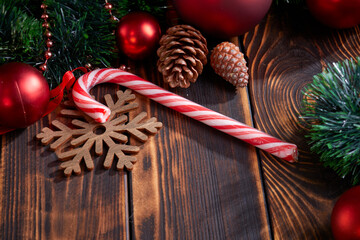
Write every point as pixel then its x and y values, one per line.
pixel 191 181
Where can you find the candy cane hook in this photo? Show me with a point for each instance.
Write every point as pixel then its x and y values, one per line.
pixel 101 113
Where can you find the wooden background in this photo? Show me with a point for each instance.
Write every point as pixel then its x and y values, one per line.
pixel 191 181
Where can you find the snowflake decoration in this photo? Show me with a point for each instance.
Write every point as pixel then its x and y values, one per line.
pixel 86 133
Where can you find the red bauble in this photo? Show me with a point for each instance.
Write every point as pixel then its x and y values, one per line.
pixel 345 218
pixel 336 13
pixel 138 34
pixel 223 18
pixel 24 95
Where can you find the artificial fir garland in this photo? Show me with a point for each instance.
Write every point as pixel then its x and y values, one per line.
pixel 81 29
pixel 20 33
pixel 332 108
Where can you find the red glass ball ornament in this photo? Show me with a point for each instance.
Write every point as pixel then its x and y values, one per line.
pixel 24 95
pixel 345 217
pixel 223 18
pixel 336 13
pixel 138 34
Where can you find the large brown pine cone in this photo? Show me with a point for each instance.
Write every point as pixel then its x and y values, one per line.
pixel 182 55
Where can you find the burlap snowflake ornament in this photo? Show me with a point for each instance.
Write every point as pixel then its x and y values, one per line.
pixel 85 133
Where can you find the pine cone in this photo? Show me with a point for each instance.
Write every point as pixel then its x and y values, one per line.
pixel 182 55
pixel 228 62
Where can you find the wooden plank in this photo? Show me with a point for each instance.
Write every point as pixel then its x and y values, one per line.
pixel 38 202
pixel 284 52
pixel 192 181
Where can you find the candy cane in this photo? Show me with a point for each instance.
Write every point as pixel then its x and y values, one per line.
pixel 101 113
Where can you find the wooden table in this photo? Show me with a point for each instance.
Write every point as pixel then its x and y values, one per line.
pixel 191 181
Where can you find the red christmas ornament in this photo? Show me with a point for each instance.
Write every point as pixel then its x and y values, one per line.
pixel 336 13
pixel 24 95
pixel 138 34
pixel 223 18
pixel 345 218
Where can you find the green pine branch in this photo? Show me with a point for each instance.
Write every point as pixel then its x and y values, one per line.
pixel 332 109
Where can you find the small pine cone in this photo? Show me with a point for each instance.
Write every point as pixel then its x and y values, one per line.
pixel 182 55
pixel 228 62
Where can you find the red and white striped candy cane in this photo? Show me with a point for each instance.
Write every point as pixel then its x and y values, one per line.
pixel 216 120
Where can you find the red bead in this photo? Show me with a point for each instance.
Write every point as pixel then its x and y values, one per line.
pixel 44 16
pixel 48 54
pixel 49 43
pixel 108 6
pixel 122 67
pixel 43 67
pixel 46 25
pixel 43 6
pixel 88 65
pixel 48 34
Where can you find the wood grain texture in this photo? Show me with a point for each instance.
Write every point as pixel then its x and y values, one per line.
pixel 284 52
pixel 194 182
pixel 38 202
